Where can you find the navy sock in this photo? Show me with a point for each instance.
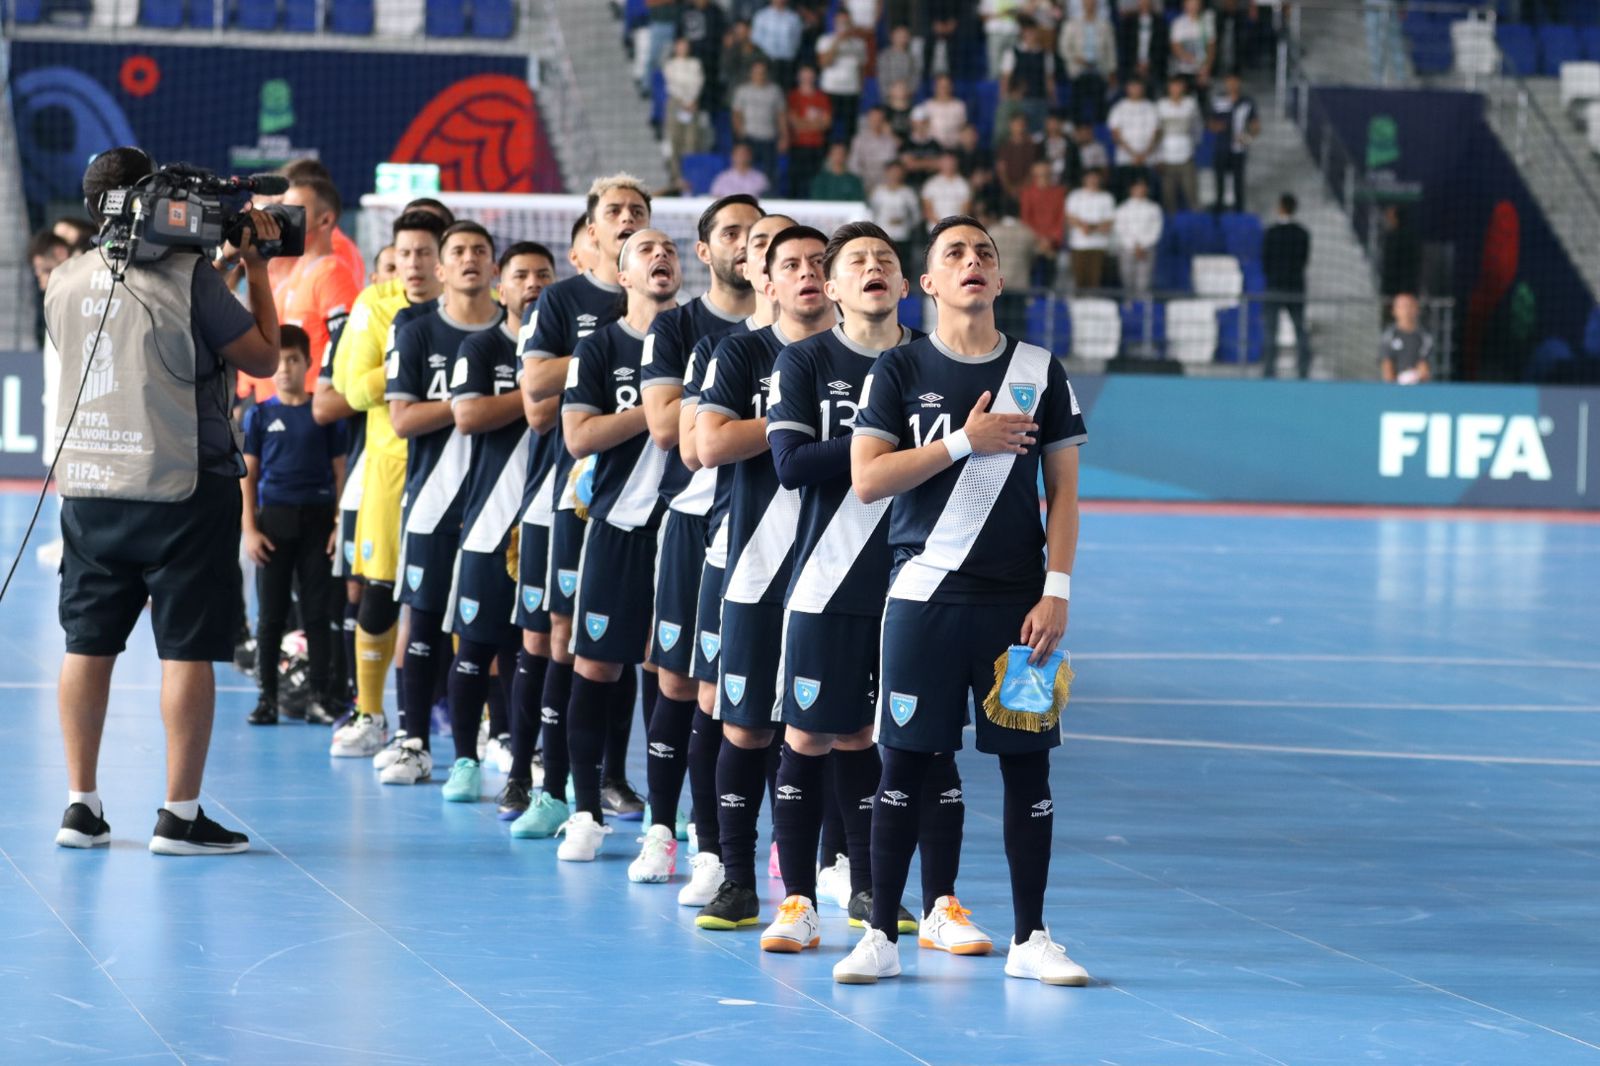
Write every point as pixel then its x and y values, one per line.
pixel 349 638
pixel 855 780
pixel 425 660
pixel 705 744
pixel 739 774
pixel 833 842
pixel 895 819
pixel 499 721
pixel 1029 823
pixel 667 757
pixel 469 684
pixel 527 685
pixel 774 754
pixel 619 725
pixel 586 737
pixel 553 722
pixel 649 691
pixel 944 816
pixel 797 819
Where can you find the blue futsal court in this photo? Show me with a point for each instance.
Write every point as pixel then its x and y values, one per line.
pixel 1330 796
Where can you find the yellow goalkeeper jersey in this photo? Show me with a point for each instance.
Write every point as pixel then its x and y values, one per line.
pixel 358 372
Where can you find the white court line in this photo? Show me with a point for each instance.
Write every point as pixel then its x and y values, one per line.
pixel 1527 708
pixel 1308 657
pixel 1352 753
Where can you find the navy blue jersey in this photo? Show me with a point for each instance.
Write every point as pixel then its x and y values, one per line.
pixel 296 454
pixel 564 314
pixel 841 553
pixel 355 427
pixel 686 491
pixel 418 370
pixel 762 515
pixel 971 533
pixel 604 381
pixel 486 366
pixel 673 335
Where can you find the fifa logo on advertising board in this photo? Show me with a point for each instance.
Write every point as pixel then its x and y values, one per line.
pixel 1459 445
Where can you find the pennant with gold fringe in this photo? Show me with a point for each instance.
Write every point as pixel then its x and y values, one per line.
pixel 1027 697
pixel 514 553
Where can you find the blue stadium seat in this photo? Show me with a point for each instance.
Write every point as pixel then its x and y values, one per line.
pixel 491 19
pixel 161 14
pixel 350 16
pixel 1137 317
pixel 1197 233
pixel 722 132
pixel 300 16
pixel 986 101
pixel 1050 323
pixel 1203 151
pixel 1519 47
pixel 1583 13
pixel 25 12
pixel 446 18
pixel 658 98
pixel 1231 344
pixel 870 97
pixel 1431 49
pixel 1241 237
pixel 701 169
pixel 207 14
pixel 911 312
pixel 259 15
pixel 1589 38
pixel 1558 45
pixel 1591 334
pixel 635 13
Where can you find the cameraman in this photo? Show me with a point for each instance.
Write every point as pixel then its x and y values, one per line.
pixel 149 476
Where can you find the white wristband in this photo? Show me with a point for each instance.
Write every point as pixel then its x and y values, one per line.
pixel 1058 585
pixel 958 445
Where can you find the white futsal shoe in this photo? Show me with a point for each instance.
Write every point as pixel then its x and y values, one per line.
pixel 874 957
pixel 946 928
pixel 833 883
pixel 1042 959
pixel 582 838
pixel 705 877
pixel 658 857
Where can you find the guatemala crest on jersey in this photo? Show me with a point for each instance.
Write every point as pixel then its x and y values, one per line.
pixel 596 624
pixel 733 685
pixel 567 581
pixel 667 633
pixel 902 707
pixel 710 645
pixel 414 577
pixel 531 598
pixel 806 691
pixel 469 610
pixel 1026 394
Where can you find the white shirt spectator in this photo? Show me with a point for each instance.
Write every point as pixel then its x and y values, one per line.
pixel 897 210
pixel 1137 224
pixel 948 196
pixel 1180 129
pixel 871 153
pixel 863 12
pixel 842 77
pixel 1137 122
pixel 759 107
pixel 685 77
pixel 1195 35
pixel 1094 207
pixel 945 119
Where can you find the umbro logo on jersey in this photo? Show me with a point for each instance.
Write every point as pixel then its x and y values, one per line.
pixel 789 792
pixel 586 324
pixel 733 685
pixel 596 624
pixel 902 707
pixel 1043 808
pixel 895 799
pixel 806 692
pixel 839 388
pixel 728 799
pixel 667 634
pixel 414 577
pixel 662 751
pixel 710 644
pixel 567 581
pixel 467 669
pixel 436 361
pixel 951 796
pixel 469 610
pixel 623 373
pixel 276 426
pixel 931 399
pixel 531 598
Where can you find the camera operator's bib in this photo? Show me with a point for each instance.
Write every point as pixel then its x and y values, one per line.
pixel 136 432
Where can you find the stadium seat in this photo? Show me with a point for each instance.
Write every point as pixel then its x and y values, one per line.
pixel 1583 13
pixel 492 19
pixel 658 99
pixel 911 312
pixel 1591 122
pixel 350 16
pixel 870 97
pixel 1242 236
pixel 1096 328
pixel 1240 333
pixel 300 16
pixel 1580 83
pixel 446 18
pixel 1473 43
pixel 1557 45
pixel 259 15
pixel 1519 49
pixel 701 169
pixel 1144 328
pixel 1218 277
pixel 1196 233
pixel 25 12
pixel 1589 37
pixel 1050 323
pixel 207 14
pixel 1591 334
pixel 985 101
pixel 161 14
pixel 1191 331
pixel 1429 37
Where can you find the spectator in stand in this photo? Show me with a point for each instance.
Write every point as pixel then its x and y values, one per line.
pixel 897 107
pixel 944 22
pixel 1015 246
pixel 739 55
pixel 1028 75
pixel 776 30
pixel 685 79
pixel 810 119
pixel 897 208
pixel 1136 226
pixel 1236 27
pixel 1180 134
pixel 760 119
pixel 971 153
pixel 1092 153
pixel 1090 211
pixel 1236 124
pixel 921 153
pixel 1014 162
pixel 946 193
pixel 1056 148
pixel 1194 45
pixel 834 181
pixel 1088 47
pixel 79 233
pixel 705 25
pixel 1044 210
pixel 741 176
pixel 1136 129
pixel 987 195
pixel 898 62
pixel 1142 46
pixel 1285 251
pixel 663 27
pixel 875 146
pixel 1400 261
pixel 1000 28
pixel 945 111
pixel 842 57
pixel 1406 349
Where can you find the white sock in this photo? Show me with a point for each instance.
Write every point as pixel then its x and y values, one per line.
pixel 188 810
pixel 90 800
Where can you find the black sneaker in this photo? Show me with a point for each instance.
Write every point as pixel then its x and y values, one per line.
pixel 861 913
pixel 733 907
pixel 293 710
pixel 174 836
pixel 514 799
pixel 619 800
pixel 316 713
pixel 82 828
pixel 266 713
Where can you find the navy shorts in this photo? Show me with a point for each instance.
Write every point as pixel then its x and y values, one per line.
pixel 679 560
pixel 708 626
pixel 747 680
pixel 483 599
pixel 934 656
pixel 616 594
pixel 561 573
pixel 830 672
pixel 347 545
pixel 533 559
pixel 430 563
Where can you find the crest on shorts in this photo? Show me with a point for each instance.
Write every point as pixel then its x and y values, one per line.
pixel 469 610
pixel 366 550
pixel 806 691
pixel 596 624
pixel 349 551
pixel 1026 394
pixel 668 632
pixel 531 598
pixel 710 645
pixel 414 577
pixel 733 685
pixel 902 707
pixel 567 581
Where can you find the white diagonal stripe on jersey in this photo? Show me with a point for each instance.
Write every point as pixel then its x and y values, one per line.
pixel 836 551
pixel 767 549
pixel 539 512
pixel 697 496
pixel 446 481
pixel 350 498
pixel 642 491
pixel 500 509
pixel 717 552
pixel 979 485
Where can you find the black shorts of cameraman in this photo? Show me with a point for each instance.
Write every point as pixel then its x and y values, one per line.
pixel 300 554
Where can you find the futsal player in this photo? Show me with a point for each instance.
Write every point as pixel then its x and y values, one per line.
pixel 730 432
pixel 721 229
pixel 971 577
pixel 437 463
